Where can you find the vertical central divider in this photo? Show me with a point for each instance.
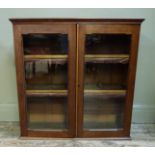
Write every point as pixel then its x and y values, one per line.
pixel 77 82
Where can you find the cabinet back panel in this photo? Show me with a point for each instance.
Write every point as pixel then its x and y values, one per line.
pixel 103 112
pixel 46 74
pixel 107 44
pixel 45 44
pixel 47 113
pixel 105 76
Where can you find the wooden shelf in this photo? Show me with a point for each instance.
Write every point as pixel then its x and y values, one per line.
pixel 101 86
pixel 38 57
pixel 46 92
pixel 105 92
pixel 107 58
pixel 48 86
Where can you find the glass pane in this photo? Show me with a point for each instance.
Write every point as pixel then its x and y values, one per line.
pixel 107 44
pixel 103 112
pixel 46 74
pixel 98 76
pixel 47 113
pixel 45 44
pixel 105 81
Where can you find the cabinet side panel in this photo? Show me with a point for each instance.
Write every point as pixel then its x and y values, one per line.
pixel 131 78
pixel 20 78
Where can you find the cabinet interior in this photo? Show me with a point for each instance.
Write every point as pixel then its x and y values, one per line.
pixel 105 76
pixel 46 74
pixel 107 43
pixel 103 112
pixel 47 112
pixel 45 44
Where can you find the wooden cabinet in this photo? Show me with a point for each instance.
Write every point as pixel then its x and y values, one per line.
pixel 75 77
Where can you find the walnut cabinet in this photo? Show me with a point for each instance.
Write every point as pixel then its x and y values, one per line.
pixel 75 77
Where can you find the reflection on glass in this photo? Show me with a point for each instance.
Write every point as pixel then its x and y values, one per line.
pixel 47 113
pixel 45 44
pixel 103 112
pixel 46 74
pixel 107 44
pixel 105 76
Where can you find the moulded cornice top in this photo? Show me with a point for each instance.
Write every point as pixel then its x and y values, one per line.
pixel 76 20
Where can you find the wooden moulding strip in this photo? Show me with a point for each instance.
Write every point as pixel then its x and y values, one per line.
pixel 47 92
pixel 29 57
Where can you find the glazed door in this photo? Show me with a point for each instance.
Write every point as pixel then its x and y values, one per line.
pixel 48 94
pixel 106 57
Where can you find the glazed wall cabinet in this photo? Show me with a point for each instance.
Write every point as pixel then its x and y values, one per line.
pixel 75 77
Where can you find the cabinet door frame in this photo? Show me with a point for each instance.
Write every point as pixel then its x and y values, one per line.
pixel 67 28
pixel 109 28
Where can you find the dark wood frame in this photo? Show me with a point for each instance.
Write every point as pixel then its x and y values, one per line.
pixel 76 29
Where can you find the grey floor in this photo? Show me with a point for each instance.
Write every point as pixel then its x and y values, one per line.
pixel 141 134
